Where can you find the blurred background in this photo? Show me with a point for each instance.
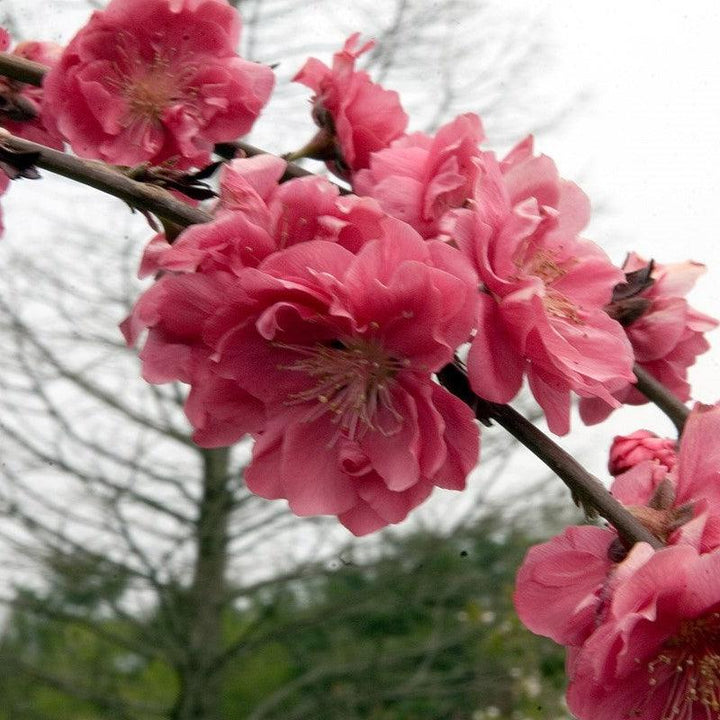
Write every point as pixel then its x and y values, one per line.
pixel 139 579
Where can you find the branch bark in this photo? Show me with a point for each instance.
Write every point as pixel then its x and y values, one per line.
pixel 585 487
pixel 108 180
pixel 21 69
pixel 657 393
pixel 200 680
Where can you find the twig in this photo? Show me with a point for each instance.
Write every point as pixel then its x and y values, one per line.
pixel 18 68
pixel 657 393
pixel 585 486
pixel 102 177
pixel 293 170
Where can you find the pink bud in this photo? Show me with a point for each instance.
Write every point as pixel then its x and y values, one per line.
pixel 627 451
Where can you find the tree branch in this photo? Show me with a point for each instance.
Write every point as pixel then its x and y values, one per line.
pixel 584 486
pixel 108 180
pixel 22 70
pixel 657 393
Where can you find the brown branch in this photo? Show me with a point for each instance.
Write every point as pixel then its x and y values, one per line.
pixel 110 181
pixel 657 393
pixel 228 150
pixel 18 68
pixel 584 486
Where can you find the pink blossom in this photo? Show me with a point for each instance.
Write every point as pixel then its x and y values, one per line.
pixel 544 289
pixel 696 469
pixel 256 216
pixel 667 335
pixel 242 212
pixel 698 463
pixel 655 656
pixel 324 348
pixel 681 506
pixel 21 106
pixel 419 178
pixel 639 483
pixel 156 80
pixel 176 310
pixel 356 116
pixel 650 493
pixel 354 403
pixel 642 627
pixel 562 584
pixel 629 450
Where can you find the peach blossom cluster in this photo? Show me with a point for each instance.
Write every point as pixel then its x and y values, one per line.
pixel 641 626
pixel 318 320
pixel 160 82
pixel 315 323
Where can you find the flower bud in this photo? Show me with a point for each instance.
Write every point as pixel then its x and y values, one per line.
pixel 629 450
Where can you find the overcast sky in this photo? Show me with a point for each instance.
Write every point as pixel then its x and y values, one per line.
pixel 646 146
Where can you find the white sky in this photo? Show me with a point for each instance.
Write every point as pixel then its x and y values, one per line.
pixel 649 140
pixel 645 147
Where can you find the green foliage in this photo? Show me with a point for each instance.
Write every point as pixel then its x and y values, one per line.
pixel 66 655
pixel 425 630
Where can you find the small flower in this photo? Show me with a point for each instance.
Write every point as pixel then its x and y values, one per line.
pixel 316 323
pixel 562 584
pixel 420 178
pixel 343 357
pixel 544 289
pixel 642 626
pixel 629 450
pixel 356 116
pixel 256 216
pixel 681 506
pixel 697 473
pixel 155 81
pixel 666 334
pixel 656 656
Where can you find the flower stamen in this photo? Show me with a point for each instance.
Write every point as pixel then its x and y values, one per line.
pixel 150 87
pixel 351 379
pixel 688 669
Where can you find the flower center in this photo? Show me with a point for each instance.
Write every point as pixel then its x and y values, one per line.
pixel 558 305
pixel 542 264
pixel 688 669
pixel 352 379
pixel 148 96
pixel 151 85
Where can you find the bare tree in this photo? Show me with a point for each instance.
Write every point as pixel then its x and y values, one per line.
pixel 98 465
